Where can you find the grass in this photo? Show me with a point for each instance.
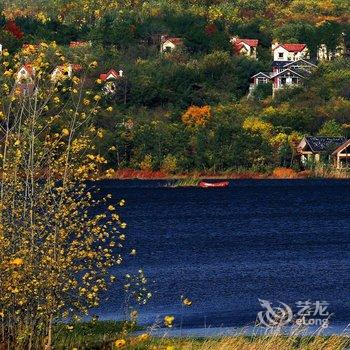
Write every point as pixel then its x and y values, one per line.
pixel 93 335
pixel 276 342
pixel 102 335
pixel 190 182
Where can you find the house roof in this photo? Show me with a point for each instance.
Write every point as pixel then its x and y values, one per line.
pixel 280 64
pixel 238 43
pixel 303 67
pixel 238 46
pixel 298 72
pixel 112 73
pixel 29 68
pixel 341 147
pixel 292 47
pixel 175 41
pixel 323 143
pixel 265 74
pixel 301 61
pixel 250 42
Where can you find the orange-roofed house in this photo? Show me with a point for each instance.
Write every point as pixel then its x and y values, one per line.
pixel 169 44
pixel 245 47
pixel 290 52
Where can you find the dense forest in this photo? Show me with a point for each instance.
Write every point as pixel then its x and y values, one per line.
pixel 188 109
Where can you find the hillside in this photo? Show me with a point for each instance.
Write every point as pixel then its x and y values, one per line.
pixel 188 110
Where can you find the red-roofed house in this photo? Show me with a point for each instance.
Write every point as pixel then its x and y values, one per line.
pixel 169 44
pixel 65 71
pixel 25 74
pixel 290 52
pixel 110 78
pixel 246 47
pixel 24 79
pixel 111 74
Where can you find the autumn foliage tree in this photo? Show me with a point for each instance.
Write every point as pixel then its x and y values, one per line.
pixel 196 116
pixel 14 29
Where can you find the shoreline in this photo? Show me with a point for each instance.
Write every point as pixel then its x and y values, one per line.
pixel 108 333
pixel 277 174
pixel 247 331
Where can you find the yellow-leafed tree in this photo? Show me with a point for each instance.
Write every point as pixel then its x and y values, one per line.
pixel 57 243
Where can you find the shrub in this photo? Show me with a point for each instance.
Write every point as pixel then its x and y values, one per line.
pixel 169 164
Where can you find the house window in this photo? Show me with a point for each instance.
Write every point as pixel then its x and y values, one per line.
pixel 280 55
pixel 283 81
pixel 295 81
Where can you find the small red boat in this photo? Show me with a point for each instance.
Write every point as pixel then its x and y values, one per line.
pixel 204 184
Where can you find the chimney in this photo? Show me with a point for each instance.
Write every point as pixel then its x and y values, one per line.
pixel 121 73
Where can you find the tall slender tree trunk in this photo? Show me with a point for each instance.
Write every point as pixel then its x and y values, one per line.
pixel 49 335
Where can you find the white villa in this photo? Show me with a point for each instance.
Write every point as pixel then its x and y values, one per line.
pixel 245 47
pixel 290 52
pixel 65 71
pixel 169 44
pixel 25 74
pixel 109 79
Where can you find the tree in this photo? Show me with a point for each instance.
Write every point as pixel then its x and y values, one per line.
pixel 55 251
pixel 331 128
pixel 196 116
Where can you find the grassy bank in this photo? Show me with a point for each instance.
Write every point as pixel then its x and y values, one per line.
pixel 257 343
pixel 109 335
pixel 192 178
pixel 94 335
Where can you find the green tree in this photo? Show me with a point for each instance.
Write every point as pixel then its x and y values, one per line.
pixel 331 128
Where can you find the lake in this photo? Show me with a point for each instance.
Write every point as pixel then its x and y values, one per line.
pixel 277 240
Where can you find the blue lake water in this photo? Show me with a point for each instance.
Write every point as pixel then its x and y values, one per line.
pixel 276 240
